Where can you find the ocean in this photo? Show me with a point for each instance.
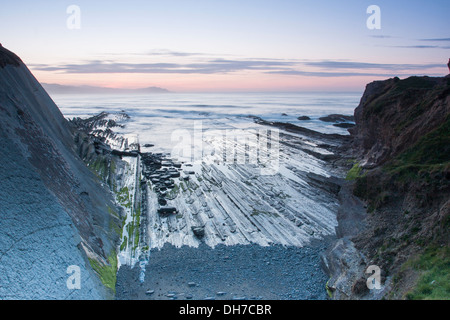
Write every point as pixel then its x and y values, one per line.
pixel 154 117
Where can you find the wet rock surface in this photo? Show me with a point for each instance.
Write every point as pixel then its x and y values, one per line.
pixel 344 125
pixel 337 118
pixel 227 272
pixel 160 172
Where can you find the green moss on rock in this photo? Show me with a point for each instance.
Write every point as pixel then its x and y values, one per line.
pixel 106 272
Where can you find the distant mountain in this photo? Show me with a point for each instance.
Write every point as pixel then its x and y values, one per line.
pixel 63 89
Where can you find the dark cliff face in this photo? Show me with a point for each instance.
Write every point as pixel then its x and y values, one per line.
pixel 401 144
pixel 40 169
pixel 8 58
pixel 394 114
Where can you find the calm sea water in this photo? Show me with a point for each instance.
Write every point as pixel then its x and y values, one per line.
pixel 155 116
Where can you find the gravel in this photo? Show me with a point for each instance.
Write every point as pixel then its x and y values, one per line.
pixel 244 272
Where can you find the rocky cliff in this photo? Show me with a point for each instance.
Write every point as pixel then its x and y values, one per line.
pixel 394 114
pixel 54 211
pixel 395 205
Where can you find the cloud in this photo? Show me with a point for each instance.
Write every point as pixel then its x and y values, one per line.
pixel 381 36
pixel 162 53
pixel 332 64
pixel 209 67
pixel 306 68
pixel 417 47
pixel 436 39
pixel 324 74
pixel 170 53
pixel 333 68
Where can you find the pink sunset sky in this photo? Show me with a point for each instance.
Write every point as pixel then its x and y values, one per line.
pixel 227 46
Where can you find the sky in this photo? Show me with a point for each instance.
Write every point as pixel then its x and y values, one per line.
pixel 228 46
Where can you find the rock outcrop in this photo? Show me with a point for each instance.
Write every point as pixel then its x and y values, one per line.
pixel 401 173
pixel 394 114
pixel 337 118
pixel 54 211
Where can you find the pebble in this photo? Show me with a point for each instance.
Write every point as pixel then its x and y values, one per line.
pixel 251 271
